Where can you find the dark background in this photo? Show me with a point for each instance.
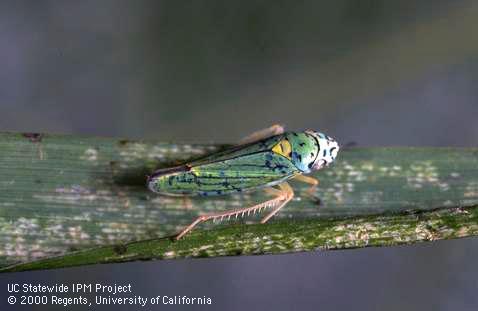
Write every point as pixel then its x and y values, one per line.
pixel 372 72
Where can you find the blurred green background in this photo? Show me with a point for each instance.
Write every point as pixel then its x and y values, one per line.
pixel 370 72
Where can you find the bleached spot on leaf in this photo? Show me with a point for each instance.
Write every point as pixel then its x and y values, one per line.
pixel 471 190
pixel 204 247
pixel 463 231
pixel 371 197
pixel 348 167
pixel 356 176
pixel 90 154
pixel 448 203
pixel 368 166
pixel 424 174
pixel 169 254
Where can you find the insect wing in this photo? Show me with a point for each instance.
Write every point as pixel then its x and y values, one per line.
pixel 242 172
pixel 240 150
pixel 233 170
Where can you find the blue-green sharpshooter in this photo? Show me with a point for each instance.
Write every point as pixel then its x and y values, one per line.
pixel 267 159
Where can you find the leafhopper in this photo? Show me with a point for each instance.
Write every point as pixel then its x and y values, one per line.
pixel 264 160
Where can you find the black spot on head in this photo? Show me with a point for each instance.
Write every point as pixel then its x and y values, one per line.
pixel 33 137
pixel 310 165
pixel 302 144
pixel 312 154
pixel 325 152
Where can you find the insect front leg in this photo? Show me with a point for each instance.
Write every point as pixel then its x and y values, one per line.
pixel 311 181
pixel 308 180
pixel 275 129
pixel 282 196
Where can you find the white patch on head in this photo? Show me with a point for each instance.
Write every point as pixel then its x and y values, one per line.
pixel 329 148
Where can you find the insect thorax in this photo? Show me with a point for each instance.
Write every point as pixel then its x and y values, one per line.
pixel 300 148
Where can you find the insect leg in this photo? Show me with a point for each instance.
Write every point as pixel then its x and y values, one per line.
pixel 272 191
pixel 308 180
pixel 288 194
pixel 312 189
pixel 280 196
pixel 275 129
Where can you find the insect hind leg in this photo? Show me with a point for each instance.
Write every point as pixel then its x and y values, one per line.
pixel 282 197
pixel 275 129
pixel 288 194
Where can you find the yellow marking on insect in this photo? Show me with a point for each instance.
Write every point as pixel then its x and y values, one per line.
pixel 283 148
pixel 196 171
